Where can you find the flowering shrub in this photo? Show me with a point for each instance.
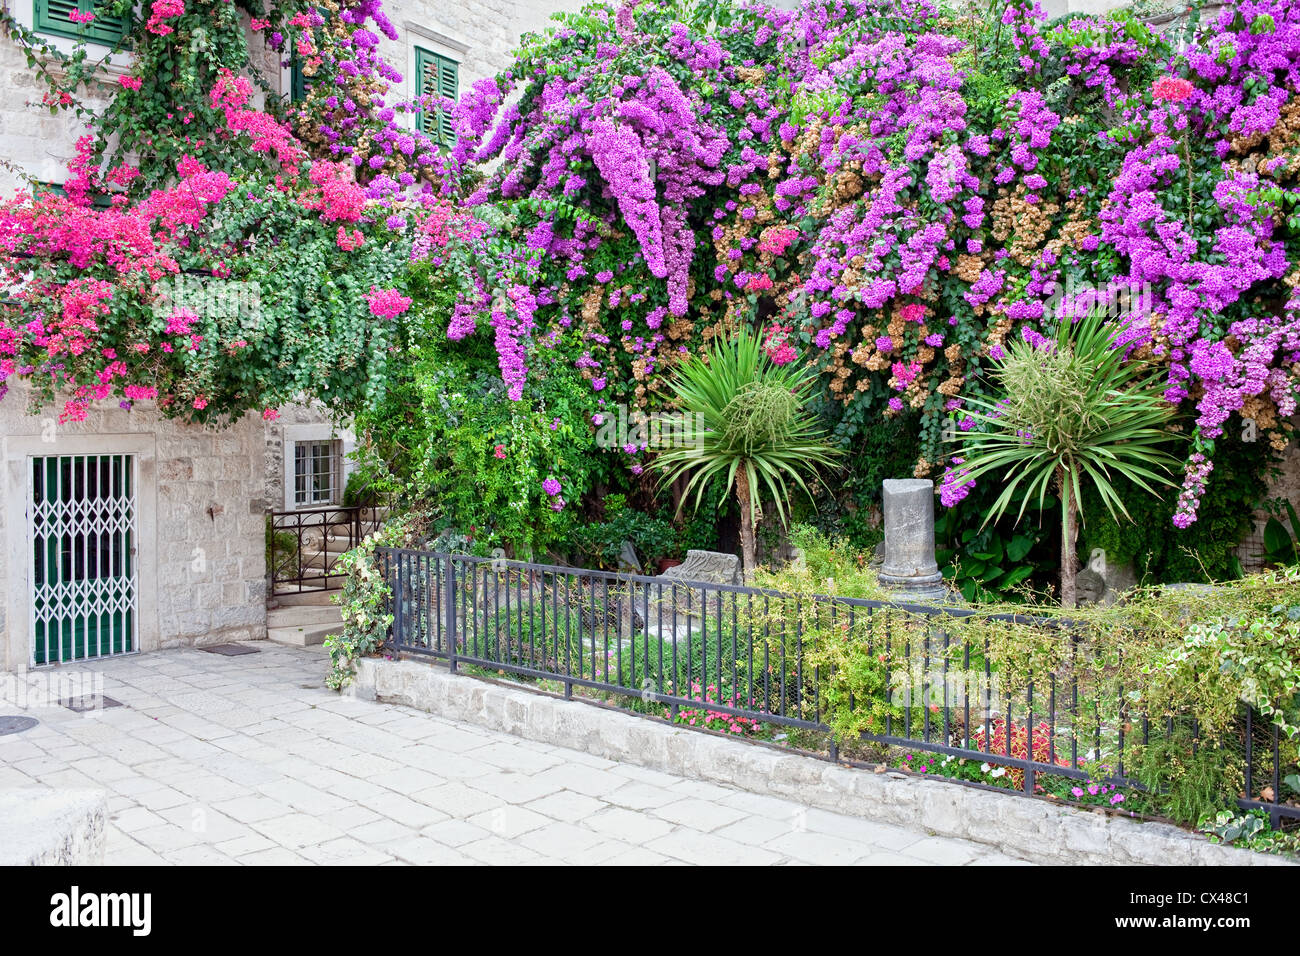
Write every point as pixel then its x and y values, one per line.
pixel 287 231
pixel 846 168
pixel 886 189
pixel 716 719
pixel 993 742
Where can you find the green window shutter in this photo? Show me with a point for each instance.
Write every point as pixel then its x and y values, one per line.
pixel 51 17
pixel 297 80
pixel 438 76
pixel 102 201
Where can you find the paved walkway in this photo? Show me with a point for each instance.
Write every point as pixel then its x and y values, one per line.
pixel 248 759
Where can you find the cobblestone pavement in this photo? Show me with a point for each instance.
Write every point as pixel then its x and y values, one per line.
pixel 249 759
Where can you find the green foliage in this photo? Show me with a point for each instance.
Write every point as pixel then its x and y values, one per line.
pixel 447 438
pixel 742 409
pixel 1251 657
pixel 831 565
pixel 361 491
pixel 1282 544
pixel 1187 781
pixel 987 563
pixel 652 536
pixel 1075 409
pixel 362 602
pixel 1204 551
pixel 281 550
pixel 1075 412
pixel 1250 831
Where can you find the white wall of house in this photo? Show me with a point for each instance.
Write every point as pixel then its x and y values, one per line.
pixel 199 521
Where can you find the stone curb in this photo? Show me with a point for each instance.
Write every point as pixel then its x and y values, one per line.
pixel 44 827
pixel 1032 829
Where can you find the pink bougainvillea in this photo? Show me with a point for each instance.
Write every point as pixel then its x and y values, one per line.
pixel 387 303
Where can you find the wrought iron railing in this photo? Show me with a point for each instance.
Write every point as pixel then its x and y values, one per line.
pixel 675 646
pixel 304 546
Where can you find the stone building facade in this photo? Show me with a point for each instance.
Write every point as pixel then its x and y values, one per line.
pixel 129 532
pixel 126 532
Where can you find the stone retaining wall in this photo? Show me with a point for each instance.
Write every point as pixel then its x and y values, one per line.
pixel 42 827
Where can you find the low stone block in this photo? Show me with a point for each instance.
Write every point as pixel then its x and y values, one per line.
pixel 44 827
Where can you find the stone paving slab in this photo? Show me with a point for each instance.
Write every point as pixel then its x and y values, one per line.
pixel 250 760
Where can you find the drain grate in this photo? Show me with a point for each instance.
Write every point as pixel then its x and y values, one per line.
pixel 230 650
pixel 16 725
pixel 88 702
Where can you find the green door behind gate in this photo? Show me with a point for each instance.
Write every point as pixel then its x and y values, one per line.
pixel 82 518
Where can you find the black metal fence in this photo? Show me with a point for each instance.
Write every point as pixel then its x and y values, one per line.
pixel 304 546
pixel 736 657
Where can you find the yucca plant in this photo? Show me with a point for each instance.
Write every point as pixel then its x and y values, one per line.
pixel 1074 411
pixel 747 427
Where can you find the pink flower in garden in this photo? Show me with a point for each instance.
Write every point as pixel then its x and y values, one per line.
pixel 200 403
pixel 387 303
pixel 499 451
pixel 777 345
pixel 163 10
pixel 79 16
pixel 180 321
pixel 348 242
pixel 270 415
pixel 551 487
pixel 1171 89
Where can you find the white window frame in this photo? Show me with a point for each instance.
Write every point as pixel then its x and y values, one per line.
pixel 295 435
pixel 306 486
pixel 434 42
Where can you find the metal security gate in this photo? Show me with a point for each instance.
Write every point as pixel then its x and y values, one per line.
pixel 81 515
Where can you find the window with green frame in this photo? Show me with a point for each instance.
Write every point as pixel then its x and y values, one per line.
pixel 438 76
pixel 51 17
pixel 297 80
pixel 102 201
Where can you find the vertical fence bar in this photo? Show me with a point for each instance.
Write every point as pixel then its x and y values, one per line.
pixel 449 608
pixel 1030 775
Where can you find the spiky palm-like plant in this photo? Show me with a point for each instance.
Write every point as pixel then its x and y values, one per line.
pixel 1075 411
pixel 746 427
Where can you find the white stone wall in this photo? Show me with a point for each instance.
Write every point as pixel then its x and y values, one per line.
pixel 480 35
pixel 301 423
pixel 201 544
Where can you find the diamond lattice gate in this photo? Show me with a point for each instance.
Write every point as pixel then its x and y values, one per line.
pixel 81 512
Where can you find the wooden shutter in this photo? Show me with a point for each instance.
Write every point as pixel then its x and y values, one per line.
pixel 52 18
pixel 438 76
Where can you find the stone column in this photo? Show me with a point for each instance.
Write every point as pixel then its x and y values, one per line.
pixel 909 567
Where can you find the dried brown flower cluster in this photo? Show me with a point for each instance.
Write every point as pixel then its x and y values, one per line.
pixel 1025 224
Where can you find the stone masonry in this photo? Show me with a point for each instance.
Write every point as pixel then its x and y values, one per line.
pixel 201 543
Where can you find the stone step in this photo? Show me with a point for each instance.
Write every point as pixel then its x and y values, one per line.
pixel 298 615
pixel 305 636
pixel 317 596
